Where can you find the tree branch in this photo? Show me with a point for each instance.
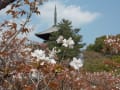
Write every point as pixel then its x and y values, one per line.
pixel 4 3
pixel 9 40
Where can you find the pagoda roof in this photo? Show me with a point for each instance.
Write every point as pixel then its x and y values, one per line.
pixel 45 34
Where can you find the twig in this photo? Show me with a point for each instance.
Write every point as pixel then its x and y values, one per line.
pixel 9 40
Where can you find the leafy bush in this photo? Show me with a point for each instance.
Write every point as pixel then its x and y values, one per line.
pixel 98 46
pixel 108 45
pixel 93 61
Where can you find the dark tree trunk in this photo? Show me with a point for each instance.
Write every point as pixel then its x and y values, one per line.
pixel 4 3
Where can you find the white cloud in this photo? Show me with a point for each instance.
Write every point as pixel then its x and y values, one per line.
pixel 72 12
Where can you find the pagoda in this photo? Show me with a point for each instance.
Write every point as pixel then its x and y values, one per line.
pixel 46 34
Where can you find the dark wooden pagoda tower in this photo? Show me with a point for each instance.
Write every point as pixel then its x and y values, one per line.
pixel 46 34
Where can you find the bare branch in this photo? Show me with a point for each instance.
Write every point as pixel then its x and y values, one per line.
pixel 4 3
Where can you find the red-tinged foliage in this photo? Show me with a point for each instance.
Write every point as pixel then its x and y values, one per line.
pixel 112 63
pixel 22 12
pixel 28 87
pixel 20 71
pixel 54 85
pixel 25 30
pixel 23 68
pixel 27 2
pixel 75 80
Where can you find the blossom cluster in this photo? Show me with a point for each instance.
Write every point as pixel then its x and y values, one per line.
pixel 41 55
pixel 76 63
pixel 66 43
pixel 112 40
pixel 113 44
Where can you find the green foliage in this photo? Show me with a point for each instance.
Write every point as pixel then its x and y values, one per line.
pixel 90 47
pixel 116 58
pixel 107 45
pixel 65 29
pixel 93 62
pixel 98 45
pixel 96 62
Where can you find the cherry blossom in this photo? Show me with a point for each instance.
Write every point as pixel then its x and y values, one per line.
pixel 112 43
pixel 68 43
pixel 27 49
pixel 34 73
pixel 60 39
pixel 71 42
pixel 65 43
pixel 53 53
pixel 76 63
pixel 52 61
pixel 39 54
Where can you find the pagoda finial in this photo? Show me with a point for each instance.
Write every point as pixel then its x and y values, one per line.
pixel 55 16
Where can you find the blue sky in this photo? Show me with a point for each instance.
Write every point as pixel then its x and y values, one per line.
pixel 94 17
pixel 106 24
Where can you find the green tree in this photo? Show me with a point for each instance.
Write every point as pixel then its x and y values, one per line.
pixel 98 46
pixel 65 29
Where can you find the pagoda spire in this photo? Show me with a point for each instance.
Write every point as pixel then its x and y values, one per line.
pixel 47 33
pixel 55 16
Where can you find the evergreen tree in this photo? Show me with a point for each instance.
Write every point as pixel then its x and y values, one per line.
pixel 65 30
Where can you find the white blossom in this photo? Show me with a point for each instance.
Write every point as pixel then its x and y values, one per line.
pixel 42 63
pixel 1 35
pixel 76 63
pixel 27 49
pixel 1 39
pixel 60 39
pixel 34 74
pixel 65 43
pixel 109 40
pixel 53 52
pixel 50 60
pixel 39 54
pixel 107 36
pixel 70 42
